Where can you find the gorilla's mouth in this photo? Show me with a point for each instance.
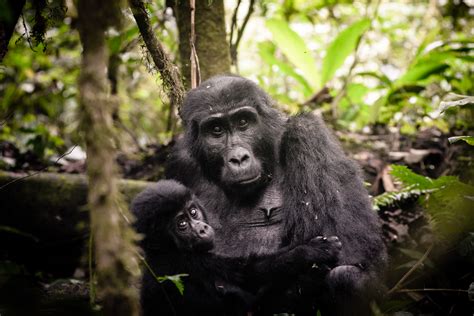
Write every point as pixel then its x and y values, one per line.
pixel 249 180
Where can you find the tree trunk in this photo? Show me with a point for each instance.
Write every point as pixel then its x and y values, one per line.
pixel 114 240
pixel 10 11
pixel 211 41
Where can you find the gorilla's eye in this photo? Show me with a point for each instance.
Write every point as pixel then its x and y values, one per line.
pixel 182 225
pixel 193 212
pixel 243 123
pixel 217 130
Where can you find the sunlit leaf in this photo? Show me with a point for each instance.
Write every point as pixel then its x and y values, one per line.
pixel 342 46
pixel 268 56
pixel 409 178
pixel 295 49
pixel 467 139
pixel 420 72
pixel 380 76
pixel 176 279
pixel 429 38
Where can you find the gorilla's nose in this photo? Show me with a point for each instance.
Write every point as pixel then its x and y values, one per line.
pixel 204 229
pixel 239 158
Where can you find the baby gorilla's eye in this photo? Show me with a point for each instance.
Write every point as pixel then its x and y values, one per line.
pixel 182 225
pixel 193 212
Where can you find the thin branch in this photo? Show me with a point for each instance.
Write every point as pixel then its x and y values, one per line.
pixel 240 32
pixel 195 69
pixel 37 172
pixel 169 72
pixel 6 119
pixel 233 24
pixel 26 33
pixel 410 272
pixel 431 290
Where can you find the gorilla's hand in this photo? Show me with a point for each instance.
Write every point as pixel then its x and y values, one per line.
pixel 322 251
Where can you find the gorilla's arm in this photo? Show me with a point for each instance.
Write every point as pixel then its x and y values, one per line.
pixel 324 195
pixel 289 261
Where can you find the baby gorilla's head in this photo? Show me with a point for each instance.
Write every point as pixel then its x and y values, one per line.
pixel 172 218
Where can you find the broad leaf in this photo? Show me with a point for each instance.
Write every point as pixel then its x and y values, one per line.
pixel 342 46
pixel 409 178
pixel 266 53
pixel 295 49
pixel 420 72
pixel 467 139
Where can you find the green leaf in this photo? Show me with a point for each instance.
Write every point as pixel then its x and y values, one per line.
pixel 430 37
pixel 451 210
pixel 409 178
pixel 176 279
pixel 420 72
pixel 342 46
pixel 267 54
pixel 383 78
pixel 467 139
pixel 295 49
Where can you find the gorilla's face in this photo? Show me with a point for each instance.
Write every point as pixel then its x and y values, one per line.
pixel 228 146
pixel 233 132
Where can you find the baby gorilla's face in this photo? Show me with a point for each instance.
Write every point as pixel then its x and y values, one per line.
pixel 190 230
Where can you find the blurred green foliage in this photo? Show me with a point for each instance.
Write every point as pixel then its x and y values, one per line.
pixel 39 111
pixel 388 63
pixel 448 202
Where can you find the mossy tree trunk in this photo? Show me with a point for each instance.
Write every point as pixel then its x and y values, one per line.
pixel 10 11
pixel 170 75
pixel 114 240
pixel 211 39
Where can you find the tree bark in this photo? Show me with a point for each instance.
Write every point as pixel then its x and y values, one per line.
pixel 211 41
pixel 169 72
pixel 10 11
pixel 114 239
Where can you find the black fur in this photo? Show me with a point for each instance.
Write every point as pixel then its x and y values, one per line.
pixel 305 176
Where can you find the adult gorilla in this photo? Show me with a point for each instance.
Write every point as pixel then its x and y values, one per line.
pixel 270 181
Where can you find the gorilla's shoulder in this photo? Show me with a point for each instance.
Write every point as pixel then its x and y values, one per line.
pixel 180 165
pixel 304 121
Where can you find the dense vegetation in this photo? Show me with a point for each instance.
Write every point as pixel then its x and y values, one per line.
pixel 395 80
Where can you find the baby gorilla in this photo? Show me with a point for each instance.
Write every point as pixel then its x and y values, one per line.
pixel 178 240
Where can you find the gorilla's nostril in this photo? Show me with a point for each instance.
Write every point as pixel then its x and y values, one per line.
pixel 234 161
pixel 244 158
pixel 202 231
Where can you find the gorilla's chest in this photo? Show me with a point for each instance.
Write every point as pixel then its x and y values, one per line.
pixel 253 229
